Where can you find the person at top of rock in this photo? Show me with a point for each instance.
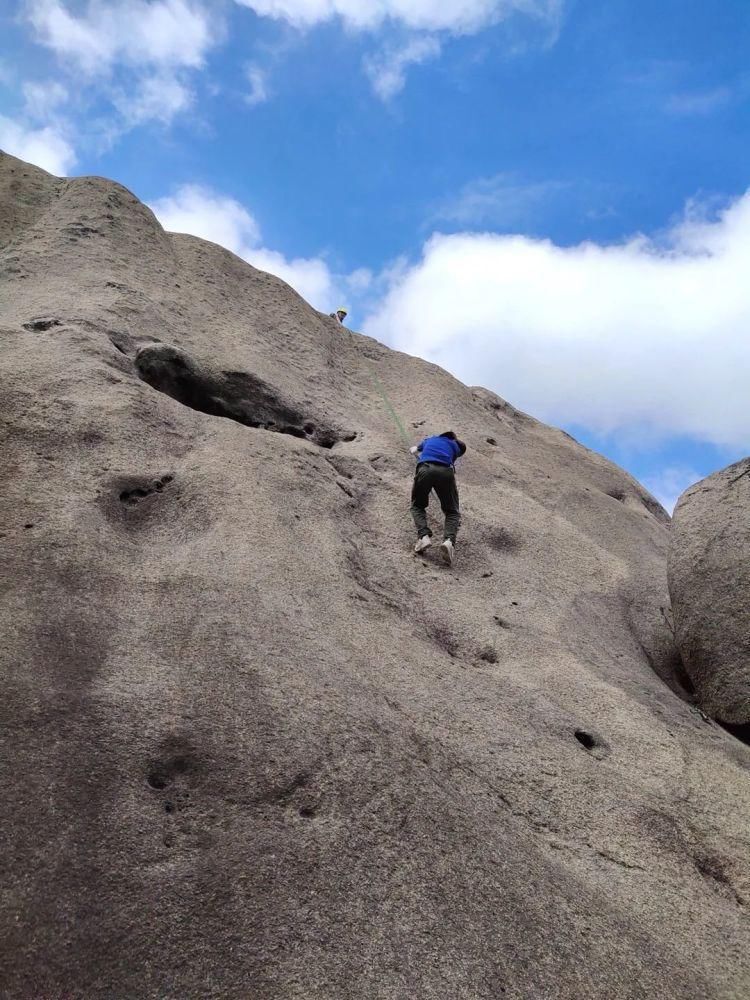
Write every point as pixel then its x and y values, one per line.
pixel 436 457
pixel 340 315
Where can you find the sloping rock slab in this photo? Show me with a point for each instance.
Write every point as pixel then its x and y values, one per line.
pixel 709 583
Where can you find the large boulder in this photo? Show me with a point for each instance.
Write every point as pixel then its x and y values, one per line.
pixel 709 583
pixel 250 746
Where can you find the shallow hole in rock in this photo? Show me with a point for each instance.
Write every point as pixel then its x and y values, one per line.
pixel 327 439
pixel 43 323
pixel 491 441
pixel 586 739
pixel 131 497
pixel 235 395
pixel 712 866
pixel 501 540
pixel 290 429
pixel 161 483
pixel 616 495
pixel 27 526
pixel 445 640
pixel 162 772
pixel 168 807
pixel 307 812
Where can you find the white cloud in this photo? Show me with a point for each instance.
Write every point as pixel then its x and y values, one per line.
pixel 308 276
pixel 669 484
pixel 500 200
pixel 212 216
pixel 166 33
pixel 258 80
pixel 41 100
pixel 135 54
pixel 153 98
pixel 202 212
pixel 387 71
pixel 457 16
pixel 700 102
pixel 45 147
pixel 360 281
pixel 642 336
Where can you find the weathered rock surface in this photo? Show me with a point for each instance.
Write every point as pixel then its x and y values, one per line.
pixel 709 582
pixel 251 746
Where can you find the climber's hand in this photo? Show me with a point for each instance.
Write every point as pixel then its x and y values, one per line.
pixel 414 449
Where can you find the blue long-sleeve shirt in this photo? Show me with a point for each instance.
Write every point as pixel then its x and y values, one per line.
pixel 442 450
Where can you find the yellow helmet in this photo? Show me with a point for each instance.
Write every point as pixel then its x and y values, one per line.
pixel 341 309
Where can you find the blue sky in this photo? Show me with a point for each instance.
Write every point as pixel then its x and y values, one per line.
pixel 545 196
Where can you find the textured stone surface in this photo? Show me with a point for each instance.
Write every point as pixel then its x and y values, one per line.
pixel 709 582
pixel 251 746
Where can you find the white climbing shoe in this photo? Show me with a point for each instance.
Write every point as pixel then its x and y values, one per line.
pixel 446 551
pixel 424 543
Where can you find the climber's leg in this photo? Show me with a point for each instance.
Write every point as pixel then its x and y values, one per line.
pixel 420 498
pixel 447 491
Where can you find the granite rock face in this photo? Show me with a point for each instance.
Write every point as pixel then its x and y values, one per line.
pixel 709 582
pixel 251 745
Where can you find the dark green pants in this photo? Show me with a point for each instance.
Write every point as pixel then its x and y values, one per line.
pixel 442 479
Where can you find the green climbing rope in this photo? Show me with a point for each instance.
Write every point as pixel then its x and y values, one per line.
pixel 388 405
pixel 382 393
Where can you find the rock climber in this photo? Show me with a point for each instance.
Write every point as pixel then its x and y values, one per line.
pixel 340 315
pixel 435 471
